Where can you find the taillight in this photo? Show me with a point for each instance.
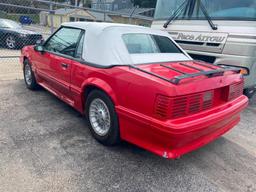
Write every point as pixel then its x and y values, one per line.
pixel 174 107
pixel 191 104
pixel 233 91
pixel 181 106
pixel 162 105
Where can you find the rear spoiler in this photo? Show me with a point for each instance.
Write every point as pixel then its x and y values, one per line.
pixel 177 79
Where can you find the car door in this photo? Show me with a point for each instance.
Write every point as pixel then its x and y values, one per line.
pixel 60 49
pixel 41 61
pixel 78 74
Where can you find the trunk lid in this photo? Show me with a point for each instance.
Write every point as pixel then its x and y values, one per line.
pixel 202 87
pixel 184 72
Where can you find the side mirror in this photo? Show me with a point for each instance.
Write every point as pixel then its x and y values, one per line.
pixel 39 48
pixel 39 42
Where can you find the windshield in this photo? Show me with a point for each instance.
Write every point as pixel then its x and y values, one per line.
pixel 9 24
pixel 217 9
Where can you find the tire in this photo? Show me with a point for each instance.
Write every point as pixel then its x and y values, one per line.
pixel 250 92
pixel 109 135
pixel 11 42
pixel 29 76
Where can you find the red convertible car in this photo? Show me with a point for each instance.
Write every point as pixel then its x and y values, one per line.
pixel 136 84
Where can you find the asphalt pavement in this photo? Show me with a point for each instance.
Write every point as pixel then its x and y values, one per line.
pixel 45 145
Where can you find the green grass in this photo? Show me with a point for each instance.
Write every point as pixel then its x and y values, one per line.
pixel 16 17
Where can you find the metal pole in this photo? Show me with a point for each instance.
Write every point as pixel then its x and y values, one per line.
pixel 104 3
pixel 76 4
pixel 51 17
pixel 130 17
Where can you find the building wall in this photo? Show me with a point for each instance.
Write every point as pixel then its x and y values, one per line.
pixel 122 4
pixel 111 5
pixel 59 19
pixel 81 15
pixel 134 21
pixel 81 12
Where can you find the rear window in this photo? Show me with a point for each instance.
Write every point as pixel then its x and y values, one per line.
pixel 147 43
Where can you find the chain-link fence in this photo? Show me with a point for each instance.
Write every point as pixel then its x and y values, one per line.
pixel 26 22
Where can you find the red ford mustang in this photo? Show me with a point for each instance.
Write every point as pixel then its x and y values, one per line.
pixel 136 84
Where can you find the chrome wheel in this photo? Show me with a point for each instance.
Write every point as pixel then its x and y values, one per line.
pixel 10 42
pixel 28 74
pixel 99 117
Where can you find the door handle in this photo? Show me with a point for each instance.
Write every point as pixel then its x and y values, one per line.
pixel 64 65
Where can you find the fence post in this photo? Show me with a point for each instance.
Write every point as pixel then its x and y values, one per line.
pixel 130 16
pixel 51 17
pixel 104 10
pixel 76 5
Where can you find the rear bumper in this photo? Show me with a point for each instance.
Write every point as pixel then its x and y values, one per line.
pixel 174 138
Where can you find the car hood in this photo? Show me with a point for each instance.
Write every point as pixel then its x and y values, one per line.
pixel 23 31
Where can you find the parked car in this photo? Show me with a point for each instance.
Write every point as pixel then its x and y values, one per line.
pixel 25 20
pixel 13 36
pixel 136 84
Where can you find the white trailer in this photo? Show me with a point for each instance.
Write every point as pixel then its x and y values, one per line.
pixel 216 31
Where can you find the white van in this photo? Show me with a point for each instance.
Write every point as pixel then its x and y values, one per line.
pixel 220 32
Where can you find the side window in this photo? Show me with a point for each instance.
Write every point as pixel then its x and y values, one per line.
pixel 79 51
pixel 64 41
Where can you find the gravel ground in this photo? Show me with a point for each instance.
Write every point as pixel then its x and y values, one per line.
pixel 10 68
pixel 45 146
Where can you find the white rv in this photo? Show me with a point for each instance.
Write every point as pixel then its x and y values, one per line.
pixel 216 31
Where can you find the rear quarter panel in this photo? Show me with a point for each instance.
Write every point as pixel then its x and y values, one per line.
pixel 109 80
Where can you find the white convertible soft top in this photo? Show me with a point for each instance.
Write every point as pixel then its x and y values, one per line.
pixel 103 44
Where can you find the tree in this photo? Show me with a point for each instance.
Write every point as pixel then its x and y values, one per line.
pixel 144 3
pixel 84 3
pixel 26 3
pixel 87 3
pixel 73 2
